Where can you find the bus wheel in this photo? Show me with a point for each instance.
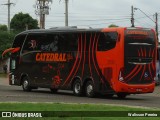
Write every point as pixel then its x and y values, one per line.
pixel 77 88
pixel 89 89
pixel 53 90
pixel 109 95
pixel 121 95
pixel 25 84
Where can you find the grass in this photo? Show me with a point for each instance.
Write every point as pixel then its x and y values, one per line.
pixel 84 108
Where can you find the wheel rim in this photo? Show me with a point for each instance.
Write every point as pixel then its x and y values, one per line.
pixel 77 88
pixel 25 84
pixel 89 89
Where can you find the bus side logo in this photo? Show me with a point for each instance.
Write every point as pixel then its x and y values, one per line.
pixel 51 57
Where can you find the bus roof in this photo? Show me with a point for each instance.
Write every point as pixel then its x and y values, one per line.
pixel 75 29
pixel 61 29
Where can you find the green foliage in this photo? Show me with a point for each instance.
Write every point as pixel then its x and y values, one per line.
pixel 6 40
pixel 20 21
pixel 112 25
pixel 3 27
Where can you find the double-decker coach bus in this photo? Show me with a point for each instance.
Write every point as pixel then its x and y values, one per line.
pixel 111 61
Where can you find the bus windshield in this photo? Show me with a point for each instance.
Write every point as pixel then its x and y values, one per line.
pixel 139 54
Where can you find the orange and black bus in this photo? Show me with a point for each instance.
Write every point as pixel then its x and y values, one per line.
pixel 110 61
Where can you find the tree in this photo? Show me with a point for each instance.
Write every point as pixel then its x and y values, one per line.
pixel 112 25
pixel 22 21
pixel 3 27
pixel 6 41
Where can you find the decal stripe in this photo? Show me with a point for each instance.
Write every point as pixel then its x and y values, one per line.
pixel 94 54
pixel 144 68
pixel 149 66
pixel 135 68
pixel 90 44
pixel 150 51
pixel 75 63
pixel 132 72
pixel 139 53
pixel 81 52
pixel 145 53
pixel 84 52
pixel 153 63
pixel 139 69
pixel 142 53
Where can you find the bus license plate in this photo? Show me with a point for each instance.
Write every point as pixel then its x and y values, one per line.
pixel 138 90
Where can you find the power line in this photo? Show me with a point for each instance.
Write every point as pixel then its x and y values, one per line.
pixel 143 23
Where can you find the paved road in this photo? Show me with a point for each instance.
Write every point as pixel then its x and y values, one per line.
pixel 15 94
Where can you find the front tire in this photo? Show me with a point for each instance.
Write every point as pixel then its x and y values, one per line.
pixel 26 85
pixel 89 89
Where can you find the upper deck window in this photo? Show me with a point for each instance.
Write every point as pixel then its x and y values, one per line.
pixel 107 41
pixel 18 41
pixel 51 42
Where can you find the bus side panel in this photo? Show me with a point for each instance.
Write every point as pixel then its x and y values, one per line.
pixel 86 64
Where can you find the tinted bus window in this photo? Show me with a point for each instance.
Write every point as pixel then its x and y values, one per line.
pixel 49 42
pixel 31 42
pixel 68 42
pixel 107 41
pixel 41 42
pixel 58 42
pixel 18 42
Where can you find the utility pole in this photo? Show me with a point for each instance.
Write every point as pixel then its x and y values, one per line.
pixel 156 25
pixel 9 6
pixel 132 16
pixel 155 21
pixel 66 12
pixel 42 9
pixel 42 14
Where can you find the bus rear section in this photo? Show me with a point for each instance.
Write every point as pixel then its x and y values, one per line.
pixel 138 74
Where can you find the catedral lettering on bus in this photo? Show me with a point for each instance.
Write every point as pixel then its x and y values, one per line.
pixel 49 57
pixel 106 61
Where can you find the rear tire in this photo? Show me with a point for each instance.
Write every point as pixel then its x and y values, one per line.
pixel 53 90
pixel 121 95
pixel 89 89
pixel 109 95
pixel 77 88
pixel 26 85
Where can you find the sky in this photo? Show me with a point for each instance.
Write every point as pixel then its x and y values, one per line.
pixel 89 13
